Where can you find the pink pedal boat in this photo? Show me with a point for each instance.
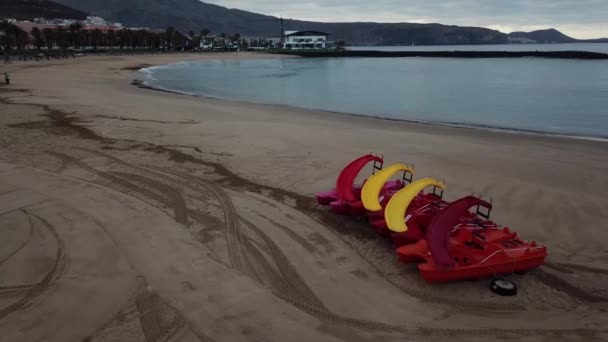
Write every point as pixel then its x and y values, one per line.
pixel 345 199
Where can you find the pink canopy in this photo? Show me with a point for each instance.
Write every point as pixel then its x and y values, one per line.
pixel 346 179
pixel 440 229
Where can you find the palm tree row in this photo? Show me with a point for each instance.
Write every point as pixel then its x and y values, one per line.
pixel 76 36
pixel 12 36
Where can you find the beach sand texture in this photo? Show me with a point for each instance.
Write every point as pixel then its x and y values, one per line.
pixel 129 214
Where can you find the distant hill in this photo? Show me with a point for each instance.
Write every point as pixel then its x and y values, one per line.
pixel 30 9
pixel 194 15
pixel 186 15
pixel 598 40
pixel 542 36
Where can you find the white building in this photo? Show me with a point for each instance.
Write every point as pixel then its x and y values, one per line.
pixel 305 40
pixel 92 20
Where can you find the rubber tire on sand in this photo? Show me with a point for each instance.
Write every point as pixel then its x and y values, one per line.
pixel 503 287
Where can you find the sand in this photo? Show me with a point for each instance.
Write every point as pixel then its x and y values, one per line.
pixel 129 214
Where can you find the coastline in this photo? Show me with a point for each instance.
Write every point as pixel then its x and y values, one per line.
pixel 449 54
pixel 142 83
pixel 205 206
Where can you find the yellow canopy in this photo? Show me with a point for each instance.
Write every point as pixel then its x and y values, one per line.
pixel 373 186
pixel 394 214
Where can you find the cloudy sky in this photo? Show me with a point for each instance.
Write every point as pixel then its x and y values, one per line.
pixel 577 18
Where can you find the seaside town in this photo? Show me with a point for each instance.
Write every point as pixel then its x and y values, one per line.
pixel 58 38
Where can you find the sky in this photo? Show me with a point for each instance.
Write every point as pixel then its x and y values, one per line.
pixel 581 19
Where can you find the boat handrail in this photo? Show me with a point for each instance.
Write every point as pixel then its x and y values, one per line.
pixel 424 207
pixel 377 166
pixel 510 250
pixel 467 224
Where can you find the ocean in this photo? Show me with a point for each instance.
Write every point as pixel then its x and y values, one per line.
pixel 556 96
pixel 591 47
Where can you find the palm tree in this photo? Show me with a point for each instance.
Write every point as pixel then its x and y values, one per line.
pixel 140 37
pixel 38 41
pixel 123 39
pixel 178 40
pixel 191 40
pixel 111 38
pixel 49 37
pixel 163 40
pixel 75 29
pixel 61 38
pixel 340 45
pixel 96 38
pixel 131 39
pixel 169 33
pixel 7 37
pixel 223 35
pixel 156 40
pixel 84 38
pixel 22 38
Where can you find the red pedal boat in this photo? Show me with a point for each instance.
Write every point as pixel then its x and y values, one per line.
pixel 458 249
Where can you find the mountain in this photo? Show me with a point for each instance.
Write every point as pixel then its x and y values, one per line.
pixel 404 33
pixel 186 15
pixel 541 36
pixel 30 9
pixel 195 15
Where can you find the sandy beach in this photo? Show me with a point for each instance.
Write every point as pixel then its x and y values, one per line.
pixel 130 214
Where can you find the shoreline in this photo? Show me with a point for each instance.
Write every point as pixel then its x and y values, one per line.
pixel 142 83
pixel 582 55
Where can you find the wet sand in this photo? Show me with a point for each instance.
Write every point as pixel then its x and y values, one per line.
pixel 146 215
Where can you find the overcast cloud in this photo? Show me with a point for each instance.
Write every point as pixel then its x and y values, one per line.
pixel 577 18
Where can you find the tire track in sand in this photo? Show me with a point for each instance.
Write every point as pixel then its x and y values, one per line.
pixel 23 243
pixel 240 243
pixel 233 238
pixel 38 288
pixel 232 218
pixel 288 285
pixel 563 267
pixel 288 272
pixel 149 315
pixel 173 200
pixel 154 326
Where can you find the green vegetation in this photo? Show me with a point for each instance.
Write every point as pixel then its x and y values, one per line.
pixel 73 39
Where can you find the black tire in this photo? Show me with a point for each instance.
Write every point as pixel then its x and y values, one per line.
pixel 503 287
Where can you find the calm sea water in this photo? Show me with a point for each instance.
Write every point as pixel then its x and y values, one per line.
pixel 592 47
pixel 543 95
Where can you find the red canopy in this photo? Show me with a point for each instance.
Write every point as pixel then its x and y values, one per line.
pixel 440 229
pixel 346 179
